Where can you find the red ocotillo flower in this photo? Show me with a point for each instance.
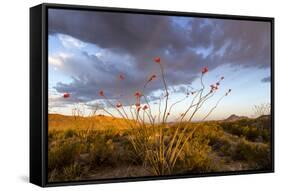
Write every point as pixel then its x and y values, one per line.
pixel 145 107
pixel 214 87
pixel 138 94
pixel 204 70
pixel 66 95
pixel 138 109
pixel 119 105
pixel 121 77
pixel 152 77
pixel 157 60
pixel 101 93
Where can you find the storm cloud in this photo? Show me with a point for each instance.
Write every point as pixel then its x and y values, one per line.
pixel 132 41
pixel 266 79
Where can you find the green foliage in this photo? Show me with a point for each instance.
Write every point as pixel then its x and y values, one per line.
pixel 257 155
pixel 63 154
pixel 73 153
pixel 252 129
pixel 102 152
pixel 70 172
pixel 69 133
pixel 76 154
pixel 195 157
pixel 223 145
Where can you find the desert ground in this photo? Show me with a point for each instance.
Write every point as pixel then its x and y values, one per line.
pixel 103 147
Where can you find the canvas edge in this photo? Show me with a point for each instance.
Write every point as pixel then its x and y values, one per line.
pixel 35 118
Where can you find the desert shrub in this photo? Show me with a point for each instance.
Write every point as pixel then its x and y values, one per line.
pixel 216 138
pixel 63 154
pixel 133 156
pixel 232 128
pixel 244 122
pixel 72 172
pixel 68 173
pixel 256 154
pixel 53 135
pixel 126 153
pixel 139 142
pixel 69 133
pixel 266 135
pixel 252 134
pixel 195 156
pixel 102 152
pixel 109 133
pixel 211 131
pixel 223 145
pixel 263 122
pixel 248 129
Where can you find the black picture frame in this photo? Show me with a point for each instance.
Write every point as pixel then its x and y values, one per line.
pixel 39 92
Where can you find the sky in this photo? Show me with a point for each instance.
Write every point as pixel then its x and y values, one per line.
pixel 88 51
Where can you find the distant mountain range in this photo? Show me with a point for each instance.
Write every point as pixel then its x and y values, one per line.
pixel 234 117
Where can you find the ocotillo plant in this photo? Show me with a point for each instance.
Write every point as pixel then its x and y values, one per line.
pixel 160 149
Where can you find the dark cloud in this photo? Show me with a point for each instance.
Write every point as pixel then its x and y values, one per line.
pixel 124 32
pixel 248 42
pixel 184 47
pixel 266 79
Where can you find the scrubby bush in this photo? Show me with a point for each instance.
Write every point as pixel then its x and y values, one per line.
pixel 195 157
pixel 102 152
pixel 249 129
pixel 69 133
pixel 76 155
pixel 223 146
pixel 258 155
pixel 63 154
pixel 70 172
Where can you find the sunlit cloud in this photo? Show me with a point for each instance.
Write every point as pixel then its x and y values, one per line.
pixel 70 42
